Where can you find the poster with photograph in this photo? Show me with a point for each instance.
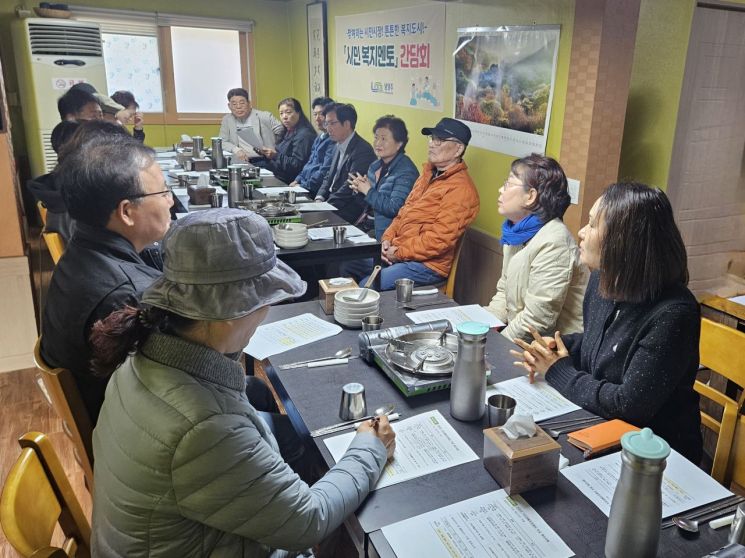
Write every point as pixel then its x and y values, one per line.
pixel 394 57
pixel 504 84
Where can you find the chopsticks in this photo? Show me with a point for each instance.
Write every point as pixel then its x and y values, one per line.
pixel 339 427
pixel 721 505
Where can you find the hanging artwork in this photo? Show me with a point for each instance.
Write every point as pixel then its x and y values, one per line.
pixel 394 57
pixel 317 73
pixel 504 84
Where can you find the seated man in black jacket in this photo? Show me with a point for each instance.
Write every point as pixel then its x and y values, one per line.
pixel 114 189
pixel 353 155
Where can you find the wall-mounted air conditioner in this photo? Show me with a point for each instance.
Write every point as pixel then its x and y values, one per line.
pixel 51 56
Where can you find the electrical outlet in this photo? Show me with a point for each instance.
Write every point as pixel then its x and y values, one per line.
pixel 573 188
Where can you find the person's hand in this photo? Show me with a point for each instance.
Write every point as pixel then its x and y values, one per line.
pixel 268 152
pixel 359 183
pixel 293 184
pixel 123 116
pixel 541 354
pixel 390 255
pixel 381 428
pixel 139 120
pixel 319 199
pixel 241 154
pixel 386 244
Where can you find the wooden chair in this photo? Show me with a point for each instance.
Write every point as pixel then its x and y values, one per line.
pixel 721 350
pixel 449 289
pixel 60 390
pixel 54 241
pixel 42 212
pixel 36 497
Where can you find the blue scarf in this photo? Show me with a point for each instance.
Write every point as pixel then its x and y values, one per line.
pixel 522 231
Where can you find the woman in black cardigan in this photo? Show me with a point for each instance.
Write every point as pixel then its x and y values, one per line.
pixel 291 154
pixel 638 355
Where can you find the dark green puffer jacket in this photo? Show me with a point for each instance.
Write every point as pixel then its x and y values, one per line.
pixel 185 467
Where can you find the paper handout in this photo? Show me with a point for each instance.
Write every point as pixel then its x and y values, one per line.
pixel 457 315
pixel 281 336
pixel 538 399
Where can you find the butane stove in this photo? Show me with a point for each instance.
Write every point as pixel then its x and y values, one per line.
pixel 417 358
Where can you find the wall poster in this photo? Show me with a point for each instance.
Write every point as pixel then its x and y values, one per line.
pixel 317 69
pixel 393 57
pixel 504 84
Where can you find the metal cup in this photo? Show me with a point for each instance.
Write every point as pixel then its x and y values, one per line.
pixel 197 146
pixel 290 196
pixel 372 323
pixel 404 287
pixel 353 404
pixel 340 233
pixel 499 408
pixel 737 531
pixel 216 199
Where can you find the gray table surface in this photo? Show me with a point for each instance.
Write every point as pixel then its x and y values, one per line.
pixel 312 396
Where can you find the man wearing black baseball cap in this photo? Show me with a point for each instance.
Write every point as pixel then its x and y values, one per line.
pixel 420 243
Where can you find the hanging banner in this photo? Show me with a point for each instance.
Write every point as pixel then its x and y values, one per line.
pixel 504 85
pixel 394 57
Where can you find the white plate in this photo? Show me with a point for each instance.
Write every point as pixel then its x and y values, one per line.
pixel 290 245
pixel 293 228
pixel 291 237
pixel 356 315
pixel 371 296
pixel 356 307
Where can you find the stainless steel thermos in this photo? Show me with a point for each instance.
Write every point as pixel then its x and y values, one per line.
pixel 197 147
pixel 235 185
pixel 218 161
pixel 468 387
pixel 636 509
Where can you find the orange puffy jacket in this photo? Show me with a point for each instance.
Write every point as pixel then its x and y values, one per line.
pixel 434 217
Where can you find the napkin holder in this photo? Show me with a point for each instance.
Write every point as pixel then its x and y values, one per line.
pixel 326 292
pixel 522 464
pixel 200 195
pixel 198 165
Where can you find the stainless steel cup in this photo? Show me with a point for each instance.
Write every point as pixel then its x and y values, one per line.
pixel 290 197
pixel 197 146
pixel 499 408
pixel 372 323
pixel 404 287
pixel 353 404
pixel 340 233
pixel 216 199
pixel 737 531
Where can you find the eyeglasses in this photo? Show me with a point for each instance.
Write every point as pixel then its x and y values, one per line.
pixel 507 184
pixel 439 141
pixel 167 193
pixel 331 122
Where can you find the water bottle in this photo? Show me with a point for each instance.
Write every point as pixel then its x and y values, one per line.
pixel 468 386
pixel 218 161
pixel 636 509
pixel 235 185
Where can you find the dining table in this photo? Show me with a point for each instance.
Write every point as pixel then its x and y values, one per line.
pixel 311 398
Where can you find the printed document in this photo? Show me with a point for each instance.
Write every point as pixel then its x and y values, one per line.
pixel 457 315
pixel 538 399
pixel 279 190
pixel 327 233
pixel 281 336
pixel 684 486
pixel 425 444
pixel 738 299
pixel 315 206
pixel 491 525
pixel 248 135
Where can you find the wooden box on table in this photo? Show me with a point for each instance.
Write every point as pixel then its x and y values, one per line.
pixel 522 464
pixel 327 291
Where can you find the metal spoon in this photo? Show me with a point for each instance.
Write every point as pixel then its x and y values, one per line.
pixel 342 353
pixel 692 525
pixel 363 290
pixel 385 410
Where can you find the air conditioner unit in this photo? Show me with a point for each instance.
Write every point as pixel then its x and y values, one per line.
pixel 51 56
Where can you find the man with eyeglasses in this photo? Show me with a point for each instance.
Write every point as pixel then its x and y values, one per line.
pixel 242 117
pixel 352 155
pixel 322 152
pixel 114 189
pixel 420 243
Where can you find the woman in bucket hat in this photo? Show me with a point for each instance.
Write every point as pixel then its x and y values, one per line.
pixel 184 465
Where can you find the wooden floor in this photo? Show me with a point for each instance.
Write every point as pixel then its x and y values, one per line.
pixel 24 409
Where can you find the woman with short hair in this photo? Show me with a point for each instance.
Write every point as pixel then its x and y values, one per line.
pixel 184 464
pixel 543 281
pixel 291 154
pixel 638 355
pixel 390 178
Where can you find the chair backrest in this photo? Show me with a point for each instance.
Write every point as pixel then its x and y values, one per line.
pixel 61 391
pixel 42 212
pixel 55 244
pixel 721 350
pixel 36 497
pixel 450 285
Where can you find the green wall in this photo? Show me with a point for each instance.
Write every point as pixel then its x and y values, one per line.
pixel 487 168
pixel 270 40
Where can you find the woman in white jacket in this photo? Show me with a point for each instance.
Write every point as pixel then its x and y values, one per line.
pixel 543 281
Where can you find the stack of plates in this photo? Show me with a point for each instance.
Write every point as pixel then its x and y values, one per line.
pixel 291 235
pixel 350 312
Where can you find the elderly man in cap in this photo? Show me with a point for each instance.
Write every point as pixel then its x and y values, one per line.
pixel 420 243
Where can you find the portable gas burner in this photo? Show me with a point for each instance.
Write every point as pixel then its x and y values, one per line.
pixel 417 358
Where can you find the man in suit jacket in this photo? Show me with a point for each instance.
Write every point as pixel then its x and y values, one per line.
pixel 353 155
